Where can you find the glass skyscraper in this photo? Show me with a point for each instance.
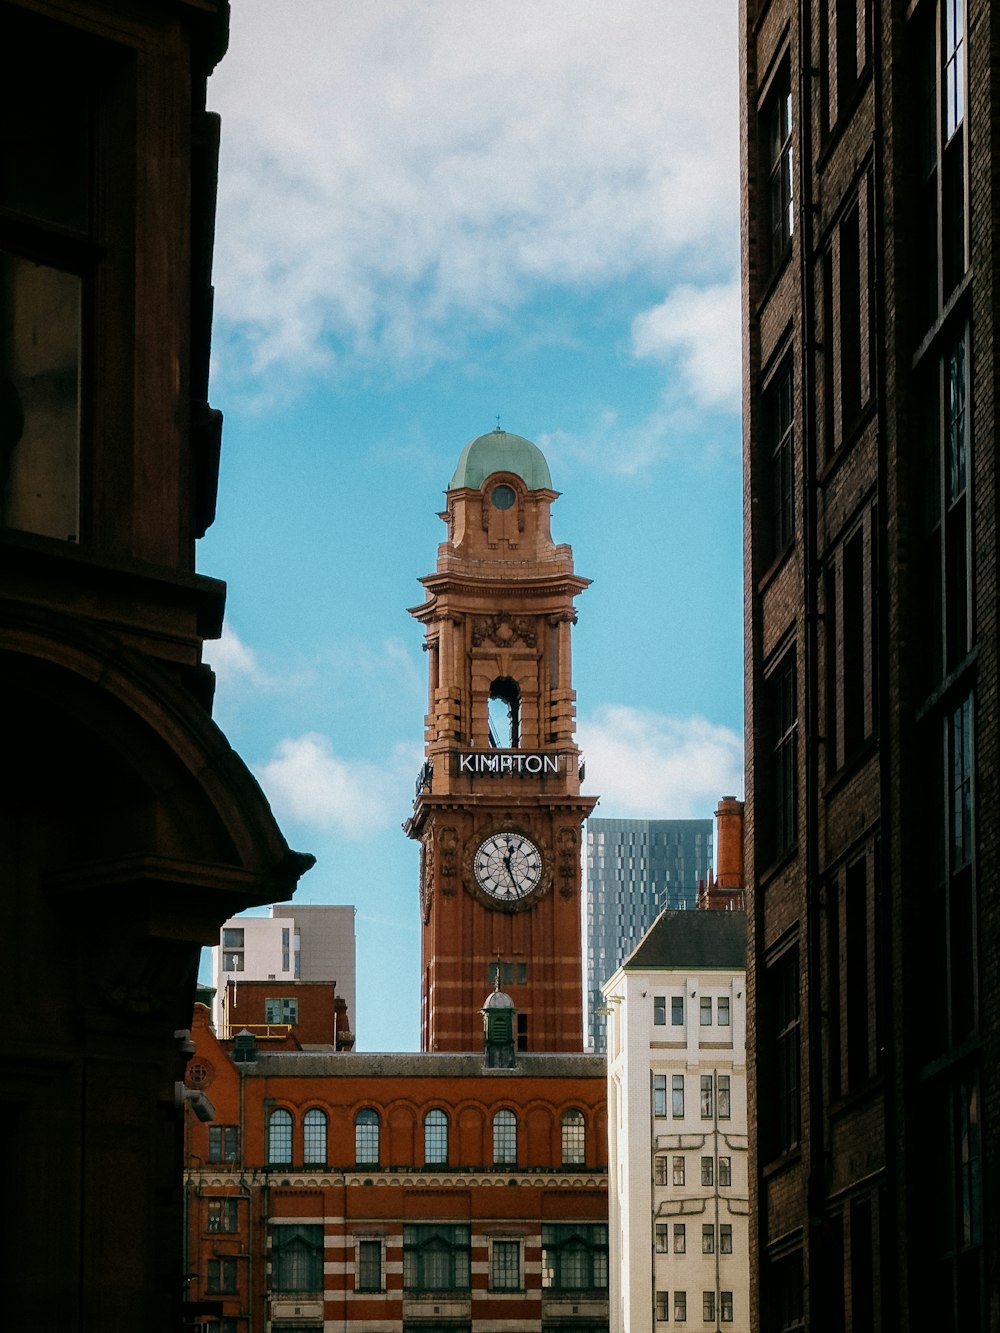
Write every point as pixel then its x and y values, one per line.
pixel 633 870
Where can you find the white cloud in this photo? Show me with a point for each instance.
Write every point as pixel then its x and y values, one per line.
pixel 307 781
pixel 232 660
pixel 645 765
pixel 390 169
pixel 700 330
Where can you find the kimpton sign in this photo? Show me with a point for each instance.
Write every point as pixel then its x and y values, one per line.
pixel 492 761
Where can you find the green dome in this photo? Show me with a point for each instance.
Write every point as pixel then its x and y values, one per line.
pixel 500 451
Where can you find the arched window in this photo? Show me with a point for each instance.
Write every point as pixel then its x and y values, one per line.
pixel 504 1138
pixel 505 713
pixel 574 1138
pixel 435 1138
pixel 366 1133
pixel 279 1136
pixel 314 1137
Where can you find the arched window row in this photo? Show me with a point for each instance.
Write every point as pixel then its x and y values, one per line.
pixel 508 1130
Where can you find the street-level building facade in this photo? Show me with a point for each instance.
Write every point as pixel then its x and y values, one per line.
pixel 870 311
pixel 129 829
pixel 678 1165
pixel 392 1192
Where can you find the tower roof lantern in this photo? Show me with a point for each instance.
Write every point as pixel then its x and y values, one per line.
pixel 497 999
pixel 500 451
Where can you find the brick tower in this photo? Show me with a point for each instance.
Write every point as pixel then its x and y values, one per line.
pixel 498 810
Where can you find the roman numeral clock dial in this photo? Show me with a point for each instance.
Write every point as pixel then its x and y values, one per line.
pixel 508 867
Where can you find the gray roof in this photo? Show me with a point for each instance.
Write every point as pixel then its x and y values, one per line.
pixel 697 940
pixel 421 1064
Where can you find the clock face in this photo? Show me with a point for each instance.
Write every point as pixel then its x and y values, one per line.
pixel 507 866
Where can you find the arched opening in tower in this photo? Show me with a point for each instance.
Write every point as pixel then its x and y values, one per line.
pixel 505 713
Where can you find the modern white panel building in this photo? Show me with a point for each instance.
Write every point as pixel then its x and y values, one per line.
pixel 677 1119
pixel 295 943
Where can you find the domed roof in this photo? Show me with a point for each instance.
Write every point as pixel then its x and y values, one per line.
pixel 499 451
pixel 498 1000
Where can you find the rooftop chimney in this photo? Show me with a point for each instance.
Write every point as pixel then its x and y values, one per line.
pixel 724 890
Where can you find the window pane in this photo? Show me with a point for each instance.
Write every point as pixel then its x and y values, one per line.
pixel 504 1138
pixel 314 1136
pixel 505 1265
pixel 573 1138
pixel 435 1137
pixel 366 1133
pixel 279 1137
pixel 369 1276
pixel 297 1257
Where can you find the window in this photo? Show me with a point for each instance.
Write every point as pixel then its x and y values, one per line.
pixel 281 1010
pixel 726 1306
pixel 706 1011
pixel 297 1256
pixel 776 151
pixel 939 56
pixel 504 1138
pixel 781 1288
pixel 505 1265
pixel 708 1306
pixel 507 974
pixel 946 558
pixel 707 1171
pixel 781 708
pixel 435 1257
pixel 574 1138
pixel 659 1094
pixel 777 426
pixel 221 1276
pixel 680 1306
pixel 677 1010
pixel 678 1171
pixel 286 960
pixel 677 1096
pixel 504 707
pixel 722 1011
pixel 662 1306
pixel 222 1215
pixel 279 1137
pixel 680 1238
pixel 707 1238
pixel 366 1136
pixel 232 962
pixel 662 1238
pixel 725 1171
pixel 369 1265
pixel 435 1138
pixel 725 1230
pixel 723 1097
pixel 314 1137
pixel 659 1010
pixel 232 938
pixel 223 1143
pixel 781 1109
pixel 706 1097
pixel 574 1256
pixel 659 1171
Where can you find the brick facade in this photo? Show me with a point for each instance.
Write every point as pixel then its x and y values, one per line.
pixel 869 236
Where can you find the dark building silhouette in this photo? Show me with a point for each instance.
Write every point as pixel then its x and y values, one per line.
pixel 870 387
pixel 129 830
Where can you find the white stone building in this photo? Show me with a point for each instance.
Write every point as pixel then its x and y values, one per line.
pixel 677 1118
pixel 311 942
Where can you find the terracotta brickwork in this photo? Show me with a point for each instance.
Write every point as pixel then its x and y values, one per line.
pixel 246 1181
pixel 500 608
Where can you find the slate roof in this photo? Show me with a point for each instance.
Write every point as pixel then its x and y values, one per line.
pixel 697 940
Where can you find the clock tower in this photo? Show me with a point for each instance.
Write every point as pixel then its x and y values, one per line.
pixel 498 810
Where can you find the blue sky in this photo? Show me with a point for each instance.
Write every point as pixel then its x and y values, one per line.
pixel 432 214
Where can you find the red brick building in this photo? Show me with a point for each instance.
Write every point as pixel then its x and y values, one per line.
pixel 871 378
pixel 463 1188
pixel 390 1192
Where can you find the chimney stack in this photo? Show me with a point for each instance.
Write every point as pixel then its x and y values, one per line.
pixel 724 890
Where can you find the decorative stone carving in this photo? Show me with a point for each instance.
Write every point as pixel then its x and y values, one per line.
pixel 503 629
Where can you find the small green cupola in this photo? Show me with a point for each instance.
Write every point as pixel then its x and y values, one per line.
pixel 498 1030
pixel 499 451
